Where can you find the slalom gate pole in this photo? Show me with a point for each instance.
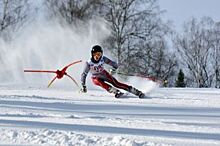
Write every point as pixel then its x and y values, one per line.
pixel 59 73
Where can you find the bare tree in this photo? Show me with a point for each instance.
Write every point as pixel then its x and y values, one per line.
pixel 128 20
pixel 136 30
pixel 216 53
pixel 195 48
pixel 163 62
pixel 73 11
pixel 13 14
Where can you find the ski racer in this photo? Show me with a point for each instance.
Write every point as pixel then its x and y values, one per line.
pixel 101 77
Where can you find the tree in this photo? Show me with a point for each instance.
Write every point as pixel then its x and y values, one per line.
pixel 73 11
pixel 138 37
pixel 195 49
pixel 13 15
pixel 163 62
pixel 130 22
pixel 215 37
pixel 180 82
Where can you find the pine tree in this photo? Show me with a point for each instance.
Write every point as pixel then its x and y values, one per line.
pixel 180 79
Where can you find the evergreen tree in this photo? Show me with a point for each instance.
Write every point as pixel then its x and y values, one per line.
pixel 180 79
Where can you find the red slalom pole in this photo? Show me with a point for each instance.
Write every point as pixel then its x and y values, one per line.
pixel 45 71
pixel 59 73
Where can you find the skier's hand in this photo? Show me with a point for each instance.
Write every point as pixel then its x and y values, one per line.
pixel 83 89
pixel 112 71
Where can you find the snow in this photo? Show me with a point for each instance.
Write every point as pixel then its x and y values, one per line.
pixel 64 117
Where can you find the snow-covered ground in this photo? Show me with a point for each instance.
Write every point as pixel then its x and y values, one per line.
pixel 57 116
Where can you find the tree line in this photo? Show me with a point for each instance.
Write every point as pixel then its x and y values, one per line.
pixel 142 42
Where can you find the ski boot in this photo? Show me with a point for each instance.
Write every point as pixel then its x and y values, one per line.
pixel 116 92
pixel 136 92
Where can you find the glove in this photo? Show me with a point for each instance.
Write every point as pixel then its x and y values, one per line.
pixel 84 89
pixel 112 71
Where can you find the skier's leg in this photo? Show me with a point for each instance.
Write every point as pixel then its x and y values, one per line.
pixel 101 83
pixel 126 87
pixel 106 86
pixel 110 79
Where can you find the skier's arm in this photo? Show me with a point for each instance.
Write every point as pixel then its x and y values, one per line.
pixel 84 75
pixel 110 62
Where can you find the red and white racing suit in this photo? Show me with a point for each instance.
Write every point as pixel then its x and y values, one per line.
pixel 100 76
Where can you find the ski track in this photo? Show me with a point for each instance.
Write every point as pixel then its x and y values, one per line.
pixel 169 116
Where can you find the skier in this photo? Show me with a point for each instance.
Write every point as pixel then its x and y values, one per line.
pixel 101 77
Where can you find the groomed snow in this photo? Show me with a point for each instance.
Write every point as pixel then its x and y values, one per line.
pixel 64 117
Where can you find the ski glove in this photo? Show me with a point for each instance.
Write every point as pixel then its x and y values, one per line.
pixel 84 89
pixel 112 71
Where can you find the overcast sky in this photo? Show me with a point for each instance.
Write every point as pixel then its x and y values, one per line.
pixel 181 10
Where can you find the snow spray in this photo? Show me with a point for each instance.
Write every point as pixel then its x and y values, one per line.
pixel 49 45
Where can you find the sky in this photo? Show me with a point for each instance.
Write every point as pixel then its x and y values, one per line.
pixel 182 10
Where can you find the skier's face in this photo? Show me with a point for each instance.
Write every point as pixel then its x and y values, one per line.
pixel 97 56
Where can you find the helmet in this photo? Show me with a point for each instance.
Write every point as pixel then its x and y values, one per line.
pixel 96 48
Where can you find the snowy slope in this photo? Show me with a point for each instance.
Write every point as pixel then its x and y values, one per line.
pixel 169 116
